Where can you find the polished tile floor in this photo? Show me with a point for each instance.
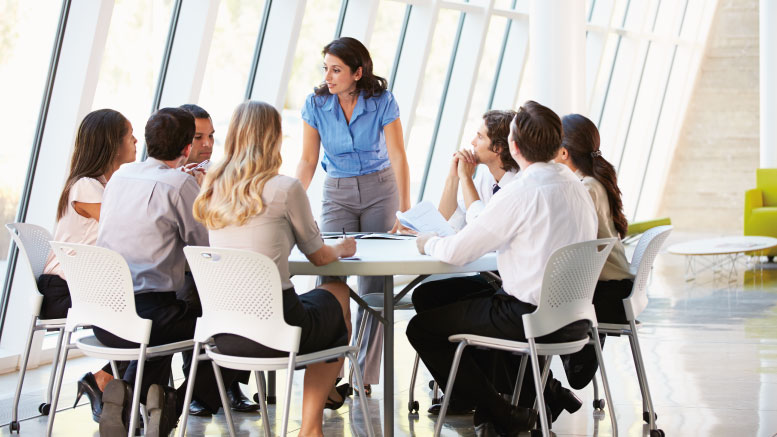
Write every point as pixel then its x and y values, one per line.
pixel 710 348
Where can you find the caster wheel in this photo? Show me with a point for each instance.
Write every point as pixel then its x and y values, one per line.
pixel 413 407
pixel 657 433
pixel 44 409
pixel 14 427
pixel 646 417
pixel 599 404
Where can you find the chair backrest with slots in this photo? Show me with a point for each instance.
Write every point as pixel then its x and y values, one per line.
pixel 33 243
pixel 101 290
pixel 241 294
pixel 568 287
pixel 641 264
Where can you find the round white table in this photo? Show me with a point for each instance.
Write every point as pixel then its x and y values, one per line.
pixel 722 250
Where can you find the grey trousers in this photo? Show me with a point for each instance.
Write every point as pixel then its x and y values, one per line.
pixel 366 203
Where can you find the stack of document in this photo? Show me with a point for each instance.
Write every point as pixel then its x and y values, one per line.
pixel 424 217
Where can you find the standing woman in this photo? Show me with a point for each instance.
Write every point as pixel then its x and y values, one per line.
pixel 356 119
pixel 580 152
pixel 103 143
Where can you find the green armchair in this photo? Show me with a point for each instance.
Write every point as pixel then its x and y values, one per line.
pixel 761 206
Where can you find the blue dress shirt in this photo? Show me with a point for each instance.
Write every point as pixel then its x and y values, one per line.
pixel 358 147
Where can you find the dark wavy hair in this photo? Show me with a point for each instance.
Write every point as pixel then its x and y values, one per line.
pixel 537 132
pixel 581 139
pixel 168 132
pixel 97 144
pixel 355 55
pixel 498 127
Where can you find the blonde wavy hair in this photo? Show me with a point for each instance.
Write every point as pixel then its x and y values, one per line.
pixel 232 190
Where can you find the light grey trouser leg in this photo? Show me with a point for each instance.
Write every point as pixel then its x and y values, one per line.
pixel 365 203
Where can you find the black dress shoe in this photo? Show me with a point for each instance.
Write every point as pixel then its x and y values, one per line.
pixel 199 410
pixel 88 385
pixel 582 365
pixel 563 399
pixel 483 425
pixel 238 401
pixel 516 420
pixel 455 407
pixel 117 401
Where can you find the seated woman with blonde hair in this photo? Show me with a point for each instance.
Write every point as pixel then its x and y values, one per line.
pixel 246 204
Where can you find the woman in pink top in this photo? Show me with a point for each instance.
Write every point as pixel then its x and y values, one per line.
pixel 104 142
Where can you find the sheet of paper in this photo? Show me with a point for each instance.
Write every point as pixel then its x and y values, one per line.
pixel 424 217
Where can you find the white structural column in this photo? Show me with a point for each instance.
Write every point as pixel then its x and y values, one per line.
pixel 767 10
pixel 277 51
pixel 359 20
pixel 71 99
pixel 557 54
pixel 409 79
pixel 458 94
pixel 508 79
pixel 189 54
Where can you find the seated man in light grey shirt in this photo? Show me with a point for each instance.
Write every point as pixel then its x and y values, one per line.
pixel 147 217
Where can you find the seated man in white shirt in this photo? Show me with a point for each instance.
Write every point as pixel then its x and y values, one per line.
pixel 544 209
pixel 493 167
pixel 202 144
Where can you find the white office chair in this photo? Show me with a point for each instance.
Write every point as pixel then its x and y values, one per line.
pixel 566 297
pixel 641 264
pixel 33 244
pixel 241 294
pixel 102 295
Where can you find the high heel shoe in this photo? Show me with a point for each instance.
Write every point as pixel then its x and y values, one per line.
pixel 332 404
pixel 88 385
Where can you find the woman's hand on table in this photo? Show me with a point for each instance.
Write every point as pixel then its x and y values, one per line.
pixel 399 228
pixel 346 247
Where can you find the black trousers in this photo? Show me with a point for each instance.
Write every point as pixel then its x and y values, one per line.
pixel 172 320
pixel 56 302
pixel 496 315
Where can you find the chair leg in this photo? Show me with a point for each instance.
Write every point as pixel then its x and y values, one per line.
pixel 136 392
pixel 22 372
pixel 261 392
pixel 359 339
pixel 287 401
pixel 538 388
pixel 412 404
pixel 519 381
pixel 58 382
pixel 189 388
pixel 605 383
pixel 115 370
pixel 54 368
pixel 362 396
pixel 224 399
pixel 451 379
pixel 642 375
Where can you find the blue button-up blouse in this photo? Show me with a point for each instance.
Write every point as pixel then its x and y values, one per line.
pixel 358 147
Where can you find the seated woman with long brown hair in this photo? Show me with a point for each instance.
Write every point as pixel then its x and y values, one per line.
pixel 580 152
pixel 104 142
pixel 246 204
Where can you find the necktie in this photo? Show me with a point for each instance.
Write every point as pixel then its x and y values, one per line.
pixel 495 189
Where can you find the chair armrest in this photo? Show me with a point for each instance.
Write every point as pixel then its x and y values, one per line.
pixel 753 199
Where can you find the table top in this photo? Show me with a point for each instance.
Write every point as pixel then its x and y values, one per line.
pixel 723 245
pixel 386 257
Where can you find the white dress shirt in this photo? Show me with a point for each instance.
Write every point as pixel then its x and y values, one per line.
pixel 545 208
pixel 484 185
